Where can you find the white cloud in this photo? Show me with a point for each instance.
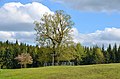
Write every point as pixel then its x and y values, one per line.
pixel 93 5
pixel 16 20
pixel 106 36
pixel 6 35
pixel 26 37
pixel 15 16
pixel 77 37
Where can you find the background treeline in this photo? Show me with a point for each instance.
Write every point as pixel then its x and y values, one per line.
pixel 72 53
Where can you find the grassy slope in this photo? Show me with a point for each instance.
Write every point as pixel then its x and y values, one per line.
pixel 109 71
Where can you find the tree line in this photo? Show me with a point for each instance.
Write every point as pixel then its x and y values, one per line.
pixel 76 53
pixel 55 47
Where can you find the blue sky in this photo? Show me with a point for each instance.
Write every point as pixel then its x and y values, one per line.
pixel 93 19
pixel 85 22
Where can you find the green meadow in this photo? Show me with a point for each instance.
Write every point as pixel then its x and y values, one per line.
pixel 100 71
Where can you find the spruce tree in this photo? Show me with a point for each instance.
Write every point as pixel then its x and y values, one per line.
pixel 109 50
pixel 119 54
pixel 114 54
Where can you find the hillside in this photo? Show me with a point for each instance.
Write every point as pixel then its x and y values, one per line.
pixel 105 71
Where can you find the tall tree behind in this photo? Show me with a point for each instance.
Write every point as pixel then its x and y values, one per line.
pixel 98 55
pixel 88 59
pixel 115 53
pixel 2 52
pixel 106 54
pixel 7 58
pixel 119 54
pixel 79 55
pixel 54 30
pixel 109 50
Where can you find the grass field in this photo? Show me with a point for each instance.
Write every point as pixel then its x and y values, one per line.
pixel 105 71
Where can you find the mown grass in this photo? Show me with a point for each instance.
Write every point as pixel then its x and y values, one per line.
pixel 105 71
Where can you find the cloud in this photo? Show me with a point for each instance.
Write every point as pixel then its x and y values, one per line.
pixel 15 16
pixel 26 37
pixel 93 5
pixel 16 21
pixel 106 36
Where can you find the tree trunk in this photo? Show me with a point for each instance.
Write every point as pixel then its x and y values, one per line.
pixel 53 59
pixel 53 55
pixel 21 65
pixel 25 65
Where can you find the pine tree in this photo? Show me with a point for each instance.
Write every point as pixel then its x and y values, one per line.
pixel 88 59
pixel 106 55
pixel 7 58
pixel 114 54
pixel 109 50
pixel 119 54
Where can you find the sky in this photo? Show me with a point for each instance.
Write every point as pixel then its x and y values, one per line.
pixel 96 21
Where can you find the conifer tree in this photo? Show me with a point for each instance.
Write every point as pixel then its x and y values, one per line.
pixel 109 50
pixel 115 53
pixel 119 54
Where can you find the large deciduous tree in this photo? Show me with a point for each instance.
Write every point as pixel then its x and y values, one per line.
pixel 53 30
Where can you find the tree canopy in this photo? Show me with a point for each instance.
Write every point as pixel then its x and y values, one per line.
pixel 53 30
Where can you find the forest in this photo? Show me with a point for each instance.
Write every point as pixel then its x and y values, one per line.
pixel 76 53
pixel 55 46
